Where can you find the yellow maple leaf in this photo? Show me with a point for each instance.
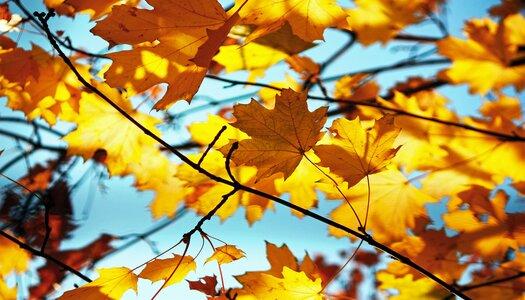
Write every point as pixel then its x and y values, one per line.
pixel 13 258
pixel 51 93
pixel 307 18
pixel 354 153
pixel 492 238
pixel 253 57
pixel 96 8
pixel 292 285
pixel 175 268
pixel 111 284
pixel 474 158
pixel 100 126
pixel 286 279
pixel 504 106
pixel 421 141
pixel 490 51
pixel 226 254
pixel 279 137
pixel 279 257
pixel 6 292
pixel 170 192
pixel 207 193
pixel 409 288
pixel 380 20
pixel 356 88
pixel 204 132
pixel 164 45
pixel 395 204
pixel 282 39
pixel 267 95
pixel 431 249
pixel 302 183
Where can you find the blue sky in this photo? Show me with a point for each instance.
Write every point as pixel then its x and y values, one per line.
pixel 120 210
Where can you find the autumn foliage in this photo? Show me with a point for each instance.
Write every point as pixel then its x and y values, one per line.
pixel 383 155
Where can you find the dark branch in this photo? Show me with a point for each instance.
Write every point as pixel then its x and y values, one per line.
pixel 492 282
pixel 215 139
pixel 44 255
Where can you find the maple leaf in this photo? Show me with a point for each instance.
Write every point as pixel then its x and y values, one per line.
pixel 512 289
pixel 286 279
pixel 506 8
pixel 78 258
pixel 292 285
pixel 260 54
pixel 355 152
pixel 170 193
pixel 421 140
pixel 252 57
pixel 302 183
pixel 476 159
pixel 6 292
pixel 304 66
pixel 395 204
pixel 504 106
pixel 409 288
pixel 206 285
pixel 380 20
pixel 279 257
pixel 307 18
pixel 204 132
pixel 431 249
pixel 282 39
pixel 8 264
pixel 111 284
pixel 207 193
pixel 100 126
pixel 279 137
pixel 355 88
pixel 166 49
pixel 162 269
pixel 50 91
pixel 17 65
pixel 267 95
pixel 490 50
pixel 492 238
pixel 226 254
pixel 96 8
pixel 5 13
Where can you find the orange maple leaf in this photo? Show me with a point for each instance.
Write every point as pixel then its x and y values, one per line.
pixel 279 137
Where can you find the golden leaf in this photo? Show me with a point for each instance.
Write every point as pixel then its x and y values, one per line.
pixel 226 254
pixel 111 284
pixel 355 152
pixel 279 137
pixel 175 268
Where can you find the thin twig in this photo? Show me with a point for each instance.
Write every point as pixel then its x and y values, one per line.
pixel 215 139
pixel 46 224
pixel 44 255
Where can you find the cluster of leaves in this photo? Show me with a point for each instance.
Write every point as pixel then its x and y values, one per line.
pixel 384 158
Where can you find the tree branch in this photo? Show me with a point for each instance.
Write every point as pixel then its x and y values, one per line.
pixel 44 255
pixel 215 139
pixel 492 282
